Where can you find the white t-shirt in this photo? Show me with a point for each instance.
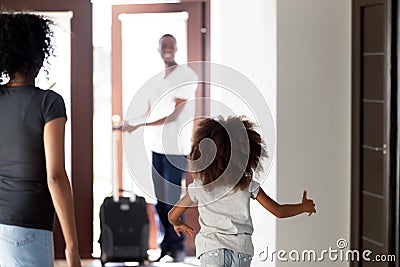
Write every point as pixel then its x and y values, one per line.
pixel 174 137
pixel 224 217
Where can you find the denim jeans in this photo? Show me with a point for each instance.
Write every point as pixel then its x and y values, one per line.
pixel 27 247
pixel 167 174
pixel 224 258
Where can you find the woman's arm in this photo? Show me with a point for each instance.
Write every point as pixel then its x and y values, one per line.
pixel 60 188
pixel 286 210
pixel 176 212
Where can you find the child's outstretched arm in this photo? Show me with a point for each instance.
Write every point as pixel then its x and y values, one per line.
pixel 176 212
pixel 286 210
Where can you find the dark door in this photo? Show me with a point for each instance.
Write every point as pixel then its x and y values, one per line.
pixel 374 129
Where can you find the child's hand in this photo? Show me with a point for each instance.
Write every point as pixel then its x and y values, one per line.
pixel 182 227
pixel 308 204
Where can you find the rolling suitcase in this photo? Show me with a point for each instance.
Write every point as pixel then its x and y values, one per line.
pixel 123 223
pixel 124 230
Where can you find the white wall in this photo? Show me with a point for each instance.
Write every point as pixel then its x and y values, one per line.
pixel 243 37
pixel 313 109
pixel 299 55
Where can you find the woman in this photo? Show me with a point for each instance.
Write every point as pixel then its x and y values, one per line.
pixel 33 181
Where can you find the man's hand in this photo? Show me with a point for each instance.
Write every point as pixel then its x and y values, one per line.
pixel 125 127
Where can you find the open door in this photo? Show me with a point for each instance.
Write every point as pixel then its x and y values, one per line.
pixel 136 29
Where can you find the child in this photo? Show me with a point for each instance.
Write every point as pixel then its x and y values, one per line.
pixel 225 156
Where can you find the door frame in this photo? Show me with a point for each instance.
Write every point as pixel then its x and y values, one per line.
pixel 81 114
pixel 199 18
pixel 193 40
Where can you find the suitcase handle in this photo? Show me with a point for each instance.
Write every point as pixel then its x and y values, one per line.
pixel 132 196
pixel 116 136
pixel 116 120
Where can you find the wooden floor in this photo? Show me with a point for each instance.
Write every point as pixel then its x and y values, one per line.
pixel 189 261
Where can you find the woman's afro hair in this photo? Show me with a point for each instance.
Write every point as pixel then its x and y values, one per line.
pixel 24 43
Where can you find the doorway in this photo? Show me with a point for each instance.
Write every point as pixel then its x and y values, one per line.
pixel 136 29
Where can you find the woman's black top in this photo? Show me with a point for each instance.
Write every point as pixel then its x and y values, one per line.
pixel 24 195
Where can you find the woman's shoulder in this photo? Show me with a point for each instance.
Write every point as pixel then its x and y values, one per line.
pixel 42 92
pixel 49 92
pixel 48 95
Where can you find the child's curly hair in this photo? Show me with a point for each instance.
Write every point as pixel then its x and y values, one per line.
pixel 25 42
pixel 213 161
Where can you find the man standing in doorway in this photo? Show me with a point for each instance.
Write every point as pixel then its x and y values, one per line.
pixel 169 138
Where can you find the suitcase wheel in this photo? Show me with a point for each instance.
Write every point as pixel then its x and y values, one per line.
pixel 103 259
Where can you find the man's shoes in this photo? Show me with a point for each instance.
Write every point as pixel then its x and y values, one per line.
pixel 153 254
pixel 178 255
pixel 171 256
pixel 162 255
